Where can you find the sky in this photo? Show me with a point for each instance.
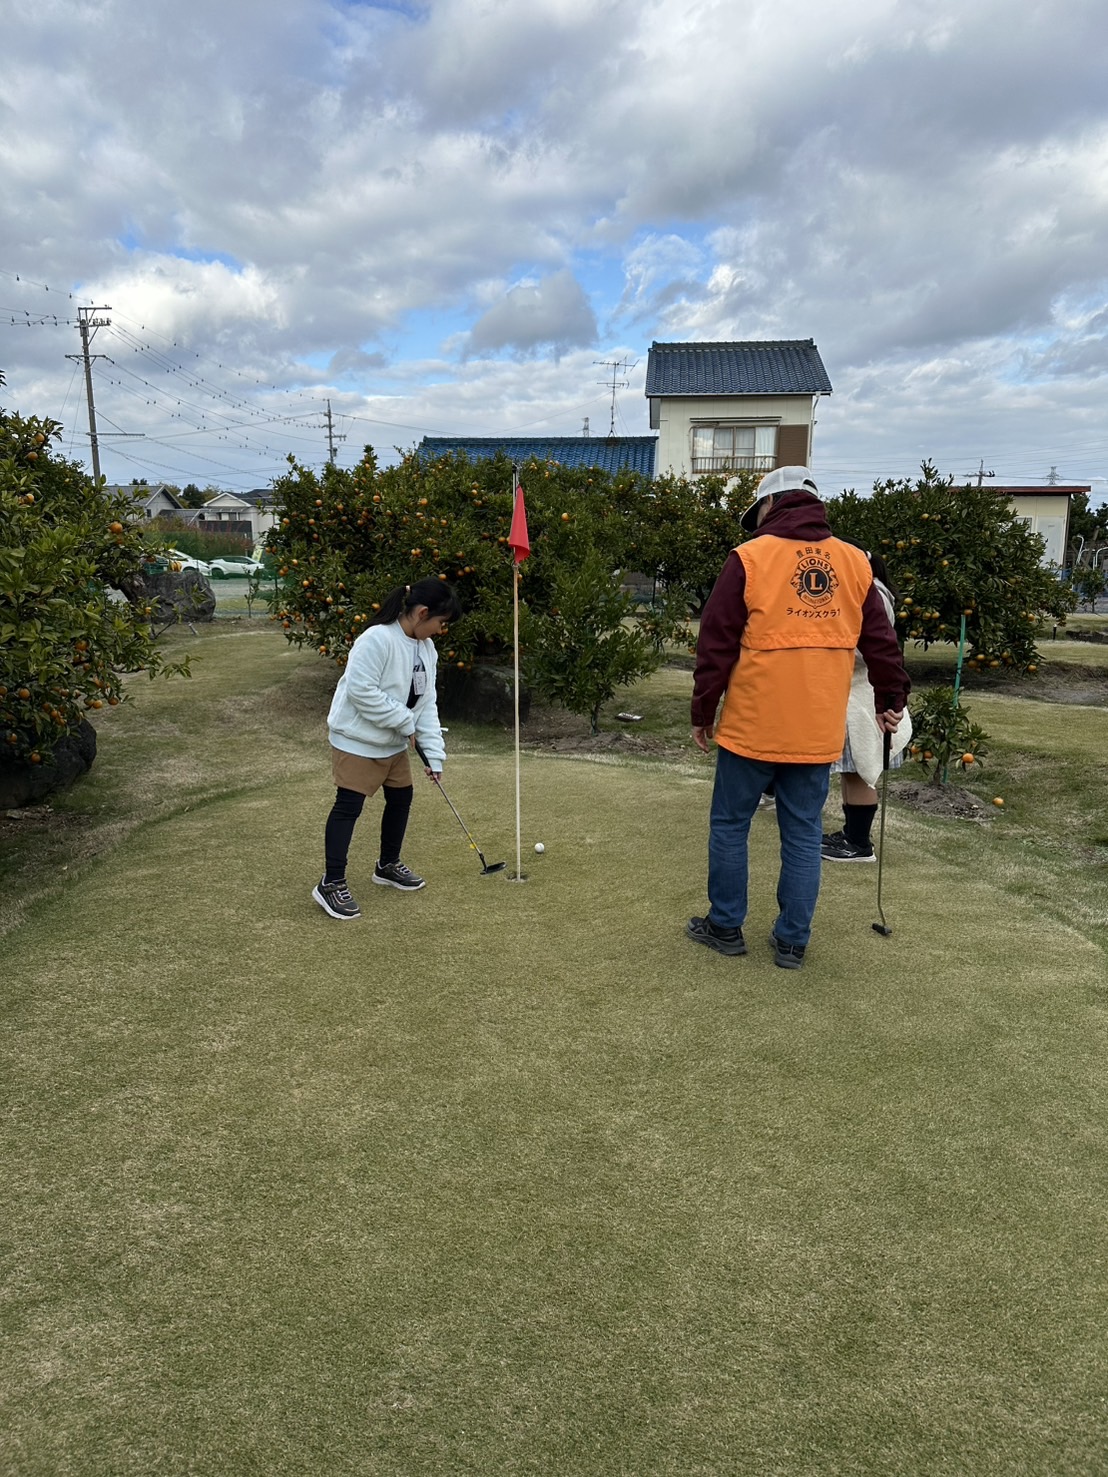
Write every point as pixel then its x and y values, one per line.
pixel 471 217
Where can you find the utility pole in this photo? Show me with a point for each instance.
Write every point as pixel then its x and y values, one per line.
pixel 585 427
pixel 1052 480
pixel 85 322
pixel 331 436
pixel 980 474
pixel 618 367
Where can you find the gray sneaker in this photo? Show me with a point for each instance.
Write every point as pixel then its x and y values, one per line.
pixel 396 874
pixel 335 900
pixel 786 956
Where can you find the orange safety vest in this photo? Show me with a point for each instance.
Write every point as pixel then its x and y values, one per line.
pixel 787 695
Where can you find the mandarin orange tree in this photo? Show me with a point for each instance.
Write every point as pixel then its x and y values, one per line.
pixel 954 551
pixel 347 536
pixel 688 528
pixel 65 638
pixel 942 734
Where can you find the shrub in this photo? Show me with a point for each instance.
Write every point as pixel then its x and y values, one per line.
pixel 957 552
pixel 942 734
pixel 587 645
pixel 1089 585
pixel 65 637
pixel 200 542
pixel 346 537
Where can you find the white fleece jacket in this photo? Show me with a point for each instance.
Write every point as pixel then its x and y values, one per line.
pixel 369 712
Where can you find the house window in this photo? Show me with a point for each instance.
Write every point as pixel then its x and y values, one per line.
pixel 733 448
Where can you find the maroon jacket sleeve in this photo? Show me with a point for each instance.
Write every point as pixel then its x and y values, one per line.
pixel 719 643
pixel 881 654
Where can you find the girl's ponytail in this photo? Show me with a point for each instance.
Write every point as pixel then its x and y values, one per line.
pixel 437 595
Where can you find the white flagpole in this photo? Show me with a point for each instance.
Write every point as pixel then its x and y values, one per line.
pixel 515 645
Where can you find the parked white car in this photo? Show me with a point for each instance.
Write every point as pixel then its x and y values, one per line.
pixel 234 567
pixel 178 560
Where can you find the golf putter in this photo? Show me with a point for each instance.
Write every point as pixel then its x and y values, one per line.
pixel 883 928
pixel 487 869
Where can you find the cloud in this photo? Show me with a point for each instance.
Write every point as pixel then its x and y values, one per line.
pixel 316 192
pixel 553 313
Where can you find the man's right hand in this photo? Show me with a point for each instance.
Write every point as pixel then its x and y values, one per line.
pixel 702 737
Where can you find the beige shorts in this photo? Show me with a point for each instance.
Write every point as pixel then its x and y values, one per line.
pixel 366 776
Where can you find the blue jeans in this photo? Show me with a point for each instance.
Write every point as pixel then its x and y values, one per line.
pixel 800 790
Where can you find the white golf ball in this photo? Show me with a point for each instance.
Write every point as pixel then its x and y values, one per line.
pixel 539 847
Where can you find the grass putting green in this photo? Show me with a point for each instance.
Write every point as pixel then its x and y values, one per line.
pixel 512 1177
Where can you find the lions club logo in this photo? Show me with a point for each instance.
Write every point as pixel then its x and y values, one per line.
pixel 814 580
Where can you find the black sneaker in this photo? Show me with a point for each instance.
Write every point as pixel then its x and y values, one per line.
pixel 786 956
pixel 723 940
pixel 334 898
pixel 837 848
pixel 396 874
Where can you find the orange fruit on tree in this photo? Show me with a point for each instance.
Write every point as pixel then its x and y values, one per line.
pixel 967 758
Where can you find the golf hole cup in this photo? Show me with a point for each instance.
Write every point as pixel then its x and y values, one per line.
pixel 539 848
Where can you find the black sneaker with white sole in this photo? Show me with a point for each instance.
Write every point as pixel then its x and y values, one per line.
pixel 723 940
pixel 837 848
pixel 396 874
pixel 335 900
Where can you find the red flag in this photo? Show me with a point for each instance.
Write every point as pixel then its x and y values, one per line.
pixel 517 536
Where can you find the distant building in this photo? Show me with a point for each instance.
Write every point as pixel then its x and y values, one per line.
pixel 1046 511
pixel 150 502
pixel 605 453
pixel 729 407
pixel 262 515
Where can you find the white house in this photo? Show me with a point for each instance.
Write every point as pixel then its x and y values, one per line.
pixel 728 407
pixel 226 507
pixel 1046 511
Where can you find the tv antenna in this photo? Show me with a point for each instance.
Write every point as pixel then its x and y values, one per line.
pixel 618 367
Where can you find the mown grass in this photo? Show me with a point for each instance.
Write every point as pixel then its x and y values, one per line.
pixel 511 1177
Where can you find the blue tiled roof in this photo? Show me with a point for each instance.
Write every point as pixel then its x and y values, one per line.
pixel 759 367
pixel 609 454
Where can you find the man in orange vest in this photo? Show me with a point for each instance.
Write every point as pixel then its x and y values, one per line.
pixel 777 642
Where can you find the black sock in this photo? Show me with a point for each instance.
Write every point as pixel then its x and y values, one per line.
pixel 858 822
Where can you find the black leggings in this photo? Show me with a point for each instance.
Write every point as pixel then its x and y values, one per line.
pixel 344 816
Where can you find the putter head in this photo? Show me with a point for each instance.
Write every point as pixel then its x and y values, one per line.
pixel 488 870
pixel 883 929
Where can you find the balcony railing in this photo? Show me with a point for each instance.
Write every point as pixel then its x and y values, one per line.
pixel 735 462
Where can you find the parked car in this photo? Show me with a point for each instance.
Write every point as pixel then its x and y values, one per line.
pixel 234 567
pixel 178 560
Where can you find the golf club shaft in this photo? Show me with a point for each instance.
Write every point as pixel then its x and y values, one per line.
pixel 887 755
pixel 446 797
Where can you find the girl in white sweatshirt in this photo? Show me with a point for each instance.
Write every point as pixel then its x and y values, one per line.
pixel 384 703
